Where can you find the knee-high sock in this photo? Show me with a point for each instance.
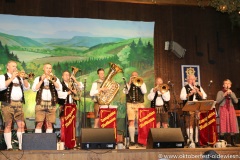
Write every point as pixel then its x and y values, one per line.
pixel 19 135
pixel 8 139
pixel 190 134
pixel 38 130
pixel 49 131
pixel 131 133
pixel 196 134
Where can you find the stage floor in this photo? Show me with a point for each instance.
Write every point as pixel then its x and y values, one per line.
pixel 133 153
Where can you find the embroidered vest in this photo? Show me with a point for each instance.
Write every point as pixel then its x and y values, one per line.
pixel 190 98
pixel 52 91
pixel 135 94
pixel 5 95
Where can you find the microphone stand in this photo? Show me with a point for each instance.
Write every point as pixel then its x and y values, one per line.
pixel 84 104
pixel 175 105
pixel 208 143
pixel 126 138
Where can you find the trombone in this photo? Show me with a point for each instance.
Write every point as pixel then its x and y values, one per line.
pixel 137 81
pixel 162 88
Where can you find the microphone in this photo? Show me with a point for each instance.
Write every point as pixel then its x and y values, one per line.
pixel 170 83
pixel 124 82
pixel 85 81
pixel 210 82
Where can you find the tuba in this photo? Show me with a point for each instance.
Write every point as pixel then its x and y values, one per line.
pixel 105 98
pixel 77 96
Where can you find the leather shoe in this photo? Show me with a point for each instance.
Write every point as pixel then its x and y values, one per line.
pixel 10 149
pixel 132 143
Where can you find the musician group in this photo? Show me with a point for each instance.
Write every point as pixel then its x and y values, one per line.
pixel 50 91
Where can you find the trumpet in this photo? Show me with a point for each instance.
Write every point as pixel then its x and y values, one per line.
pixel 52 77
pixel 163 88
pixel 24 75
pixel 137 81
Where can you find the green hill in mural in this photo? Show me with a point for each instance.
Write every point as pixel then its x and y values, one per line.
pixel 84 41
pixel 20 41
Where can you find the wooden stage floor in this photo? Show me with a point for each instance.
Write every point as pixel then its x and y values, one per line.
pixel 120 154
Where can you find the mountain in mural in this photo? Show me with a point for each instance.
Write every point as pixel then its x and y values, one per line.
pixel 80 41
pixel 20 41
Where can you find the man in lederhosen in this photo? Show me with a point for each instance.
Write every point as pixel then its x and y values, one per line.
pixel 46 87
pixel 70 89
pixel 192 92
pixel 95 90
pixel 12 86
pixel 157 101
pixel 135 100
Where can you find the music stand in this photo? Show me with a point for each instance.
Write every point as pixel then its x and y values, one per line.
pixel 201 106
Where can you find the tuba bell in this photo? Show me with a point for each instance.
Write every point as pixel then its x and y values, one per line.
pixel 105 98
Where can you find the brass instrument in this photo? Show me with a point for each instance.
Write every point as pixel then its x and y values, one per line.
pixel 137 81
pixel 105 98
pixel 73 86
pixel 163 88
pixel 52 77
pixel 24 75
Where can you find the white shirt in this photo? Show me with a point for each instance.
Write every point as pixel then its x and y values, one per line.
pixel 159 100
pixel 94 90
pixel 63 95
pixel 46 94
pixel 16 93
pixel 183 94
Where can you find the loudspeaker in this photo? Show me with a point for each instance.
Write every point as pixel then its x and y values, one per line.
pixel 98 138
pixel 165 138
pixel 39 141
pixel 177 49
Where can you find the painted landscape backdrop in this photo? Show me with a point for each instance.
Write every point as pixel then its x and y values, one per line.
pixel 87 44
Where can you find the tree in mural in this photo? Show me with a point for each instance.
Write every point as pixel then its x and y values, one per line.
pixel 6 55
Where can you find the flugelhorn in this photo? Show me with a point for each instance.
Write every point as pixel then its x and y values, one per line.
pixel 52 77
pixel 137 81
pixel 24 75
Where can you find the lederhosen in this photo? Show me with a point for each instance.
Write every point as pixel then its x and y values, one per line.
pixel 161 113
pixel 190 115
